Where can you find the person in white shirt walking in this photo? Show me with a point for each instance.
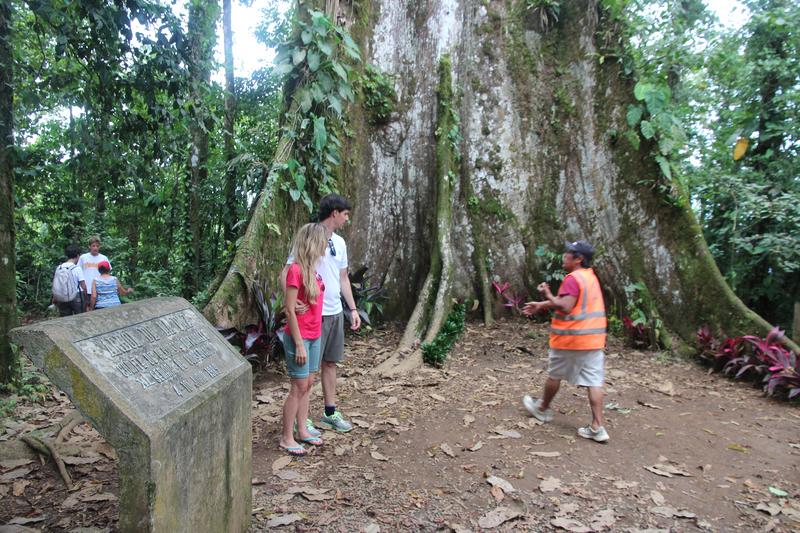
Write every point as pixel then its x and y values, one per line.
pixel 89 263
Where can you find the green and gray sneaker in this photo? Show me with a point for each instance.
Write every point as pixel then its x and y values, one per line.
pixel 336 422
pixel 314 432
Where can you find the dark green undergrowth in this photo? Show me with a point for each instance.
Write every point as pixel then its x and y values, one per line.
pixel 435 353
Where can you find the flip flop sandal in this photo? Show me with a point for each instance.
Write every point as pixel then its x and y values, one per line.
pixel 296 451
pixel 314 441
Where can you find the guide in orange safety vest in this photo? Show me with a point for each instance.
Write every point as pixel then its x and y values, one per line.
pixel 577 338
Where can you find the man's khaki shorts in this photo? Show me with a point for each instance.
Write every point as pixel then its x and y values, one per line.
pixel 332 338
pixel 579 367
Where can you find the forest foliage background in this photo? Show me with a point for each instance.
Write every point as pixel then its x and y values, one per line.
pixel 121 130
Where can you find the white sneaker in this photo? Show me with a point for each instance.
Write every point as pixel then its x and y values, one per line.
pixel 533 408
pixel 598 435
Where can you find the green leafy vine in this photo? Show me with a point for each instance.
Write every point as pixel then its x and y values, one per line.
pixel 316 63
pixel 379 96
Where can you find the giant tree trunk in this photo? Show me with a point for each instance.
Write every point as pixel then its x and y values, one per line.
pixel 544 161
pixel 8 279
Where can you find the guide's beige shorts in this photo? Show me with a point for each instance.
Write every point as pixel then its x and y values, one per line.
pixel 579 367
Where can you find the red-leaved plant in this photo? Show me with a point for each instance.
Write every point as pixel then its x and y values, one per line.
pixel 637 334
pixel 260 343
pixel 765 361
pixel 512 301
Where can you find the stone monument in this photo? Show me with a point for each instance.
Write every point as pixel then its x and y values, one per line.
pixel 172 397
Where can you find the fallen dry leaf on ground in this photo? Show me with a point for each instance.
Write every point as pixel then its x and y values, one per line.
pixel 72 461
pixel 657 497
pixel 666 470
pixel 477 446
pixel 497 494
pixel 103 497
pixel 671 512
pixel 550 484
pixel 447 449
pixel 18 488
pixel 281 462
pixel 771 509
pixel 498 516
pixel 11 464
pixel 546 454
pixel 665 387
pixel 566 509
pixel 603 519
pixel 22 520
pixel 510 433
pixel 14 474
pixel 570 524
pixel 500 482
pixel 292 475
pixel 283 520
pixel 378 456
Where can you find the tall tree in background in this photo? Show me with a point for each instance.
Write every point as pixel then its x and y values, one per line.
pixel 201 33
pixel 749 199
pixel 230 117
pixel 8 310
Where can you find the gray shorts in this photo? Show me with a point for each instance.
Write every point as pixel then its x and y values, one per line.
pixel 332 347
pixel 579 367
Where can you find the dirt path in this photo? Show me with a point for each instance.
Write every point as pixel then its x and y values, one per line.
pixel 688 451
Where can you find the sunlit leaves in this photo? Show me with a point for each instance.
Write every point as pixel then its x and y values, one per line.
pixel 298 55
pixel 740 148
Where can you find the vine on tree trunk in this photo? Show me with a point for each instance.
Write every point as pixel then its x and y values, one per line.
pixel 434 302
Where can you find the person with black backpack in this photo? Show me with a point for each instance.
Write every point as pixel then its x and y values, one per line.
pixel 69 286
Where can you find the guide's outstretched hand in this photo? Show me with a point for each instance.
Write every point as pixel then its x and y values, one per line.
pixel 533 308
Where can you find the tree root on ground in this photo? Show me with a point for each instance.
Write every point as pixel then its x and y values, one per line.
pixel 67 424
pixel 47 447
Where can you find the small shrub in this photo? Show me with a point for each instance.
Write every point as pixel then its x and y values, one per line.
pixel 260 343
pixel 25 383
pixel 436 352
pixel 368 298
pixel 763 361
pixel 643 326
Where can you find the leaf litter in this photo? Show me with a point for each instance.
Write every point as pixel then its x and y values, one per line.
pixel 399 493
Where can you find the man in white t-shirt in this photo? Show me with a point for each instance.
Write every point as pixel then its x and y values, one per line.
pixel 88 263
pixel 334 213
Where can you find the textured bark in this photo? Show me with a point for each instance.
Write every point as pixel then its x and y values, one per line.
pixel 8 280
pixel 230 117
pixel 545 156
pixel 434 302
pixel 202 23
